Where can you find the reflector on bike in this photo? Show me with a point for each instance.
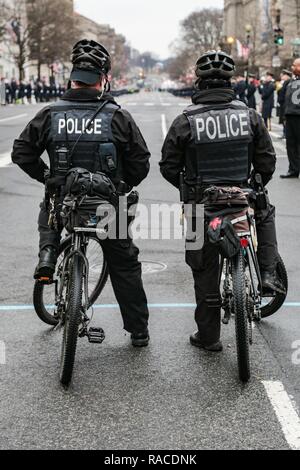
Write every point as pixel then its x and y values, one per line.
pixel 244 242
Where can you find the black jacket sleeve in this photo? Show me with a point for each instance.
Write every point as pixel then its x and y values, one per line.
pixel 267 92
pixel 262 150
pixel 134 149
pixel 172 162
pixel 31 144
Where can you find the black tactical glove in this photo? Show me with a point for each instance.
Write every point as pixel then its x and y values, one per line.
pixel 52 184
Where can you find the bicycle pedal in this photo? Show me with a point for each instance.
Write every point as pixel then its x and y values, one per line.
pixel 96 335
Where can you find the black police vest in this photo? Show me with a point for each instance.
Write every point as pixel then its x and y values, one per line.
pixel 95 149
pixel 292 100
pixel 218 151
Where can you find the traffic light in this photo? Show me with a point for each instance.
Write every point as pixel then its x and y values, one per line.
pixel 278 37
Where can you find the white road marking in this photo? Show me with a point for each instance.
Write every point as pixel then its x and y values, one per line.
pixel 164 126
pixel 130 104
pixel 5 159
pixel 166 104
pixel 274 134
pixel 285 412
pixel 149 104
pixel 12 118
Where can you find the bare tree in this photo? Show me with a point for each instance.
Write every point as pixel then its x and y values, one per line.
pixel 202 30
pixel 178 65
pixel 51 35
pixel 18 30
pixel 3 19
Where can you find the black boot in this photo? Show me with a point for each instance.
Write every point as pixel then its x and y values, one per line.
pixel 195 340
pixel 271 283
pixel 46 267
pixel 140 340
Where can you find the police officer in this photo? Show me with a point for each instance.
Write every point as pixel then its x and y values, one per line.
pixel 114 134
pixel 292 114
pixel 215 142
pixel 285 77
pixel 251 91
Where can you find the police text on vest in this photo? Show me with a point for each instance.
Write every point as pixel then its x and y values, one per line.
pixel 222 127
pixel 78 126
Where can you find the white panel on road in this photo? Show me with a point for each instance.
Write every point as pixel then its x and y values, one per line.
pixel 164 125
pixel 13 118
pixel 285 412
pixel 5 159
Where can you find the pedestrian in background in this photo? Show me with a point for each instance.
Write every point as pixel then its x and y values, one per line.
pixel 29 92
pixel 267 91
pixel 22 92
pixel 251 91
pixel 240 89
pixel 14 89
pixel 2 92
pixel 292 115
pixel 285 78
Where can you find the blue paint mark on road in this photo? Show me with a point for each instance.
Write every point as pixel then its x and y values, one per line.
pixel 16 308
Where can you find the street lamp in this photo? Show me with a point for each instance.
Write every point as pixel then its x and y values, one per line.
pixel 230 42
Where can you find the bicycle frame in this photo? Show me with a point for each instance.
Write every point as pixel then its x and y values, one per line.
pixel 251 262
pixel 80 240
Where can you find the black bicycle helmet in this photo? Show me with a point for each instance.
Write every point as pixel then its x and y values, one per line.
pixel 90 59
pixel 215 65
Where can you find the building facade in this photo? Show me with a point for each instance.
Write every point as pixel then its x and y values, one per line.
pixel 249 29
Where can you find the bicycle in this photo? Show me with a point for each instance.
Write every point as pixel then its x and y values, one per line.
pixel 81 275
pixel 241 287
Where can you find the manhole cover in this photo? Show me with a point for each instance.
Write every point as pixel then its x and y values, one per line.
pixel 151 267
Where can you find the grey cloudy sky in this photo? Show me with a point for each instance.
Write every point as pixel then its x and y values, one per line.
pixel 149 25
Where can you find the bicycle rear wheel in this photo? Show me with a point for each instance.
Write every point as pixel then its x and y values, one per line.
pixel 73 317
pixel 44 295
pixel 241 316
pixel 276 302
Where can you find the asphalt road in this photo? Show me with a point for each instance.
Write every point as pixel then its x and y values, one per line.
pixel 169 396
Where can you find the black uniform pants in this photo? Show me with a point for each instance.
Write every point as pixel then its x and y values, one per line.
pixel 125 272
pixel 293 143
pixel 205 265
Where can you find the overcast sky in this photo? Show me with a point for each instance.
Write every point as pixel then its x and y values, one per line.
pixel 149 25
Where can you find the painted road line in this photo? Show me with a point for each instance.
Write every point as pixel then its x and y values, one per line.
pixel 285 412
pixel 18 116
pixel 273 134
pixel 164 126
pixel 149 104
pixel 16 308
pixel 5 159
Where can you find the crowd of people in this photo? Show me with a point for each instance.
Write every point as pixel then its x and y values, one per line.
pixel 19 92
pixel 287 106
pixel 268 88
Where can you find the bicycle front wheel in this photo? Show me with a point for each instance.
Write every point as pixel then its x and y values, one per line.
pixel 44 296
pixel 73 319
pixel 241 316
